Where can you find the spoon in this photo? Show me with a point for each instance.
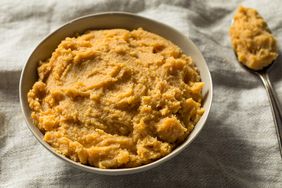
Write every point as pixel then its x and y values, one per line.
pixel 272 97
pixel 274 103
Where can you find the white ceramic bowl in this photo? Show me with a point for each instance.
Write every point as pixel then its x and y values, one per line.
pixel 106 21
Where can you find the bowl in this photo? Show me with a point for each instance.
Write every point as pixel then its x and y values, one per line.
pixel 106 21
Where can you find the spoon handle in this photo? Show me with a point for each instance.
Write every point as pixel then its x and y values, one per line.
pixel 275 108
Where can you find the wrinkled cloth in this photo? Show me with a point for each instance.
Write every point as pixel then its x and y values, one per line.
pixel 238 145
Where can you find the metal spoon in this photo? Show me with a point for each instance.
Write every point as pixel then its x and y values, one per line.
pixel 274 103
pixel 272 97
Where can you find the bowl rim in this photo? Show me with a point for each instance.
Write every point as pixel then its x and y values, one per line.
pixel 119 171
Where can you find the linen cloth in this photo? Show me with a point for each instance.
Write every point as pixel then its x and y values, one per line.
pixel 237 147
